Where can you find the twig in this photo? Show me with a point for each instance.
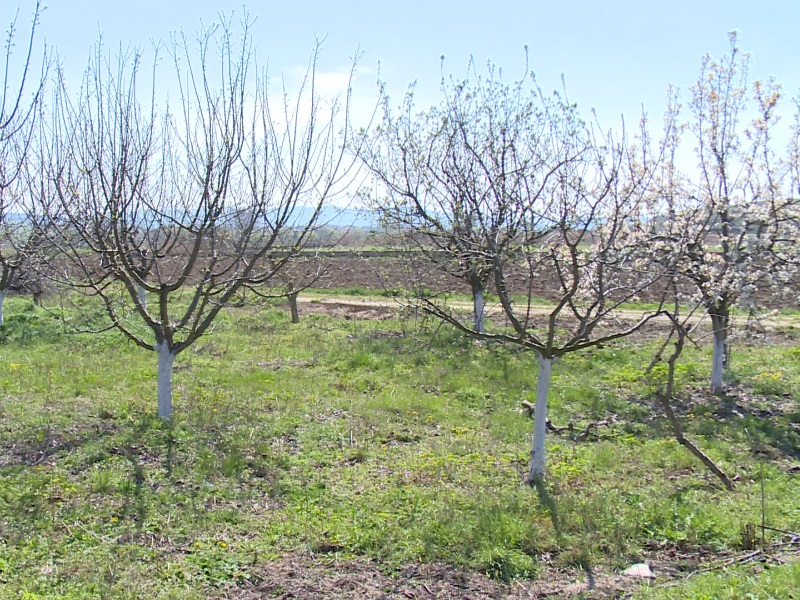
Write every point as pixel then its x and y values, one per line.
pixel 728 562
pixel 589 427
pixel 789 543
pixel 763 511
pixel 531 411
pixel 794 533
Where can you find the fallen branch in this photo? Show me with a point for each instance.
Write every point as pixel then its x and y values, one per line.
pixel 585 433
pixel 666 395
pixel 733 560
pixel 792 533
pixel 721 565
pixel 530 408
pixel 691 446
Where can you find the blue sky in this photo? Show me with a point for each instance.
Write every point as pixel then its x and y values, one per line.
pixel 616 55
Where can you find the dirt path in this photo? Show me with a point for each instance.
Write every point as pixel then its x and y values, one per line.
pixel 771 321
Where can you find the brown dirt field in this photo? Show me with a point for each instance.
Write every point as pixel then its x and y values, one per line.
pixel 775 329
pixel 382 271
pixel 388 273
pixel 308 576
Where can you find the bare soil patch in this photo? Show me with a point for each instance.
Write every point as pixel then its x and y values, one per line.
pixel 308 576
pixel 361 310
pixel 401 270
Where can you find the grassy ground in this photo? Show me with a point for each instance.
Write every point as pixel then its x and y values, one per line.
pixel 392 441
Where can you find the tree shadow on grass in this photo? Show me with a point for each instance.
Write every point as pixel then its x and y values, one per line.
pixel 29 453
pixel 131 440
pixel 582 559
pixel 769 425
pixel 744 415
pixel 547 502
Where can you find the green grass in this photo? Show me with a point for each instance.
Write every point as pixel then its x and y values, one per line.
pixel 350 438
pixel 776 583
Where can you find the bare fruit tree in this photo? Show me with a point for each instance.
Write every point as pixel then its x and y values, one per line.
pixel 523 185
pixel 729 219
pixel 598 248
pixel 19 104
pixel 462 172
pixel 169 216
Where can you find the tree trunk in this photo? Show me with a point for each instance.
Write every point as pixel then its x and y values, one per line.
pixel 538 454
pixel 142 296
pixel 2 302
pixel 293 307
pixel 165 361
pixel 479 308
pixel 719 324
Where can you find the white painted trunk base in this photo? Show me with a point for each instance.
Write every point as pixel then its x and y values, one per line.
pixel 479 311
pixel 538 453
pixel 165 362
pixel 2 301
pixel 718 363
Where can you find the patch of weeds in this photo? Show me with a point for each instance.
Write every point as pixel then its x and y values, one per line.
pixel 770 383
pixel 233 463
pixel 359 360
pixel 779 582
pixel 506 565
pixel 471 396
pixel 215 564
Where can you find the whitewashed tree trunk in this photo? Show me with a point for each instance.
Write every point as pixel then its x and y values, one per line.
pixel 538 453
pixel 165 362
pixel 2 301
pixel 479 310
pixel 142 295
pixel 718 358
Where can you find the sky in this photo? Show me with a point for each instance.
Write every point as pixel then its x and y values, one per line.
pixel 615 55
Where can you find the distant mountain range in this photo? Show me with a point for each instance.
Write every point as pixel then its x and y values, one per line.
pixel 339 218
pixel 331 216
